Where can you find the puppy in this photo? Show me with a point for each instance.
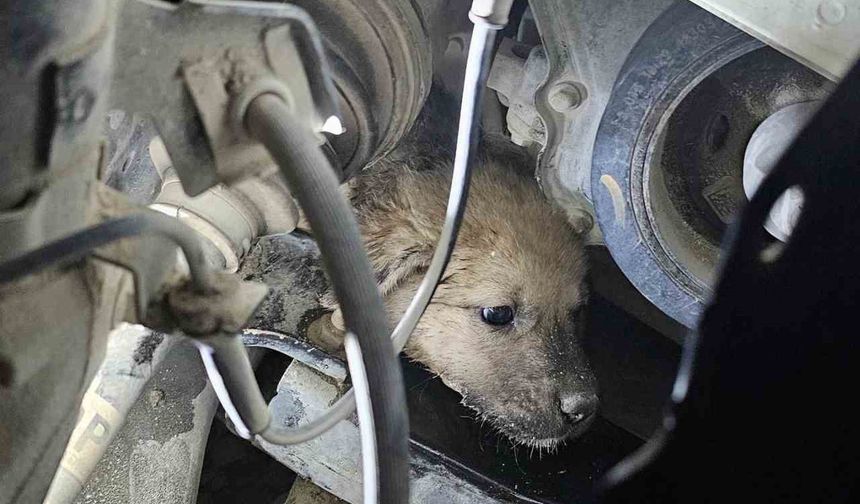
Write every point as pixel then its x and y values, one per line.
pixel 503 328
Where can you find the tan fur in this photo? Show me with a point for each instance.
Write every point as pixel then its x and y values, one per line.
pixel 513 249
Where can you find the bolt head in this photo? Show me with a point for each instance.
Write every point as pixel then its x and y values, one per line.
pixel 565 96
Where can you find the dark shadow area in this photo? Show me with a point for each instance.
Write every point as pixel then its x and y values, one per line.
pixel 236 471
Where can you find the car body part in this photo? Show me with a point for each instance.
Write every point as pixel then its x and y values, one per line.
pixel 231 217
pixel 157 453
pixel 330 460
pixel 778 329
pixel 560 89
pixel 820 34
pixel 378 76
pixel 54 86
pixel 77 246
pixel 583 45
pixel 133 354
pixel 668 157
pixel 202 157
pixel 579 51
pixel 204 143
pixel 296 349
pixel 453 459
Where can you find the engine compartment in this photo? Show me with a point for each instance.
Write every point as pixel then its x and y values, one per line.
pixel 643 123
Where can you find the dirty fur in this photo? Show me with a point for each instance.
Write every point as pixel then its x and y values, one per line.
pixel 514 249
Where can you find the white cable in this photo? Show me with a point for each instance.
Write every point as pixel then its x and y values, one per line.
pixel 358 375
pixel 217 381
pixel 483 35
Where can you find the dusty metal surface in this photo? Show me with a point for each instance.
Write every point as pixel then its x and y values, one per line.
pixel 45 368
pixel 133 354
pixel 151 260
pixel 381 56
pixel 230 218
pixel 692 174
pixel 53 82
pixel 516 73
pixel 226 309
pixel 586 43
pixel 297 349
pixel 653 77
pixel 668 157
pixel 290 266
pixel 157 455
pixel 57 61
pixel 331 461
pixel 821 34
pixel 305 492
pixel 129 167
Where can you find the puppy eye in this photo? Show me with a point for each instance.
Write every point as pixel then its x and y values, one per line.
pixel 498 315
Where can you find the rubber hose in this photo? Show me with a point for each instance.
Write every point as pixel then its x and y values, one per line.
pixel 313 182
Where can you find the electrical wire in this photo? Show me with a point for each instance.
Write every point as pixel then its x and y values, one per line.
pixel 477 68
pixel 369 456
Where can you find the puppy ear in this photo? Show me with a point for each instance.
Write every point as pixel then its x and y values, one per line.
pixel 391 272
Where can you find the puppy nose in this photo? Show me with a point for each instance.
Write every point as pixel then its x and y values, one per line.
pixel 578 406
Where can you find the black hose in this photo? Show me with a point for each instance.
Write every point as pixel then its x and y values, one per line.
pixel 313 182
pixel 78 245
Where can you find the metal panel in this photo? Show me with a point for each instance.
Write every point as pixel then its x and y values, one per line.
pixel 822 34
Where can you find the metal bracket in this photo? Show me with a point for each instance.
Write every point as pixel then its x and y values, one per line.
pixel 821 34
pixel 217 48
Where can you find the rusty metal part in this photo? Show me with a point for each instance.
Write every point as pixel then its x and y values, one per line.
pixel 146 81
pixel 821 34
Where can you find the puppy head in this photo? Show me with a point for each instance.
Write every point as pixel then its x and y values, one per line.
pixel 503 327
